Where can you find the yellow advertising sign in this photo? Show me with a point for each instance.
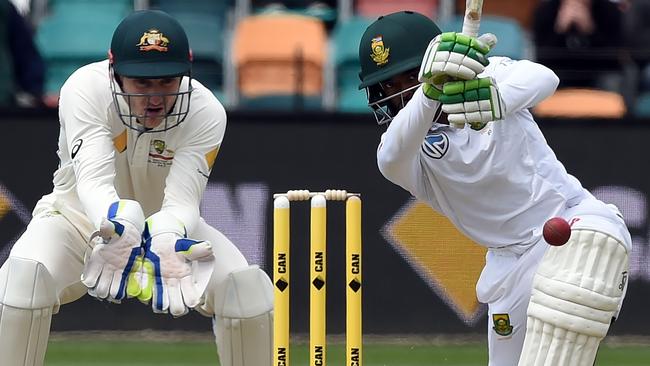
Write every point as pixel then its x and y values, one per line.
pixel 5 206
pixel 448 261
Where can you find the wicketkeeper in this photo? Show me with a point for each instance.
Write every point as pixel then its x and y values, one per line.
pixel 498 181
pixel 137 143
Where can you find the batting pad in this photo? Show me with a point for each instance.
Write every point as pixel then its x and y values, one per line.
pixel 576 292
pixel 244 326
pixel 27 301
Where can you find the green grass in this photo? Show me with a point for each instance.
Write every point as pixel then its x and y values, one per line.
pixel 93 352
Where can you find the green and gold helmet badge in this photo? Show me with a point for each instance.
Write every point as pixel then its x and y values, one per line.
pixel 379 52
pixel 153 40
pixel 502 324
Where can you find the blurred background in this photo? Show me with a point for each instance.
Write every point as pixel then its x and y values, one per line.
pixel 302 54
pixel 287 73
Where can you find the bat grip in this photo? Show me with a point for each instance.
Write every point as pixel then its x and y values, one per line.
pixel 470 27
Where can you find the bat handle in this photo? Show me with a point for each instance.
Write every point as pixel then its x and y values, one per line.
pixel 470 27
pixel 472 19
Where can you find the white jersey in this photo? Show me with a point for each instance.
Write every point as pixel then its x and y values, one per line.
pixel 497 185
pixel 102 160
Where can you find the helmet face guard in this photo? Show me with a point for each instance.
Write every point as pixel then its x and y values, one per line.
pixel 386 108
pixel 150 44
pixel 174 113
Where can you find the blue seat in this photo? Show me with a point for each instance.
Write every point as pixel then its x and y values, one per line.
pixel 205 33
pixel 67 41
pixel 206 36
pixel 90 8
pixel 642 105
pixel 194 6
pixel 345 56
pixel 511 41
pixel 215 8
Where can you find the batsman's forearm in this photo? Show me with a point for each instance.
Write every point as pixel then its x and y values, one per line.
pixel 526 85
pixel 399 151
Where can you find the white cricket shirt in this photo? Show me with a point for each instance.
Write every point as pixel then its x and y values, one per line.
pixel 498 185
pixel 102 160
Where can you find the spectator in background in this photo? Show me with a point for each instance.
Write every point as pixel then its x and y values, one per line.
pixel 637 38
pixel 22 71
pixel 573 43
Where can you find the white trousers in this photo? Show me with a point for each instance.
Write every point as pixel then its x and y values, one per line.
pixel 51 239
pixel 506 280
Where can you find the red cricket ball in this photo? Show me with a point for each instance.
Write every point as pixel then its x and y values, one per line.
pixel 556 231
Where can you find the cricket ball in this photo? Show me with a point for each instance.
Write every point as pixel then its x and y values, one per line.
pixel 556 231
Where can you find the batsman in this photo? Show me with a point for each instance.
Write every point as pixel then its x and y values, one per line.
pixel 461 138
pixel 137 143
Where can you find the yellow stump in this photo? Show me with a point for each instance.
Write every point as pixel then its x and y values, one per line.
pixel 353 334
pixel 318 276
pixel 281 245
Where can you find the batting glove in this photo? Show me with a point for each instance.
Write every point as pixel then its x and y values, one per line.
pixel 117 245
pixel 452 56
pixel 475 102
pixel 174 271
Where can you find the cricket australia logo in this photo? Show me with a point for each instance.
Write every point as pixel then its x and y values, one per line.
pixel 502 324
pixel 153 40
pixel 379 52
pixel 435 145
pixel 159 155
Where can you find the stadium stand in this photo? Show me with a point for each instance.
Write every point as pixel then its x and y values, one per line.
pixel 345 58
pixel 579 103
pixel 323 10
pixel 88 8
pixel 375 8
pixel 207 24
pixel 6 72
pixel 218 9
pixel 285 58
pixel 206 35
pixel 279 61
pixel 520 10
pixel 76 33
pixel 511 37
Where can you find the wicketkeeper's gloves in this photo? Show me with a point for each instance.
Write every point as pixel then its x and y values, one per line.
pixel 117 244
pixel 174 271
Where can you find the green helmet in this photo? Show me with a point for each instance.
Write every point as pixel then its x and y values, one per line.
pixel 393 44
pixel 150 44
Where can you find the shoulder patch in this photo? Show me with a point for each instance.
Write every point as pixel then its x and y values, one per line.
pixel 436 145
pixel 211 156
pixel 120 141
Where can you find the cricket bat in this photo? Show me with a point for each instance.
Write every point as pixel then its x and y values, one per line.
pixel 471 23
pixel 472 20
